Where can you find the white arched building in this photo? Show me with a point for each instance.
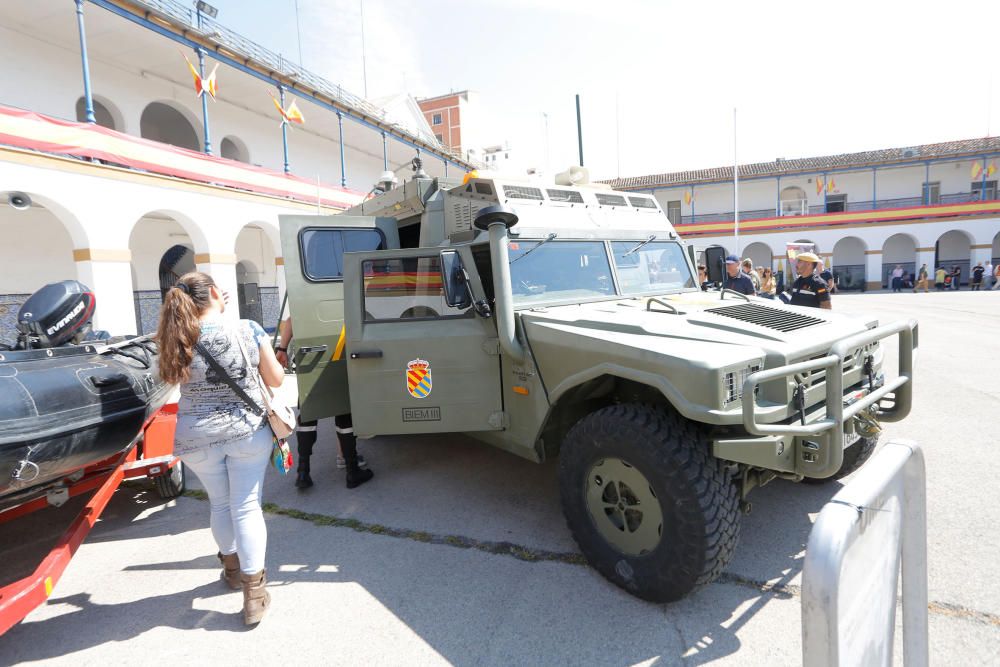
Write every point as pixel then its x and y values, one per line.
pixel 934 204
pixel 158 183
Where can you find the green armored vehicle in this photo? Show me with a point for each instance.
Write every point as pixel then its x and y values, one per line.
pixel 567 321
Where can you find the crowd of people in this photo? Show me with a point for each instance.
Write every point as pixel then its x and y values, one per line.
pixel 812 287
pixel 983 277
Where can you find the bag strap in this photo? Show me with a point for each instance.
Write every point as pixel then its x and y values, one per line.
pixel 265 391
pixel 254 408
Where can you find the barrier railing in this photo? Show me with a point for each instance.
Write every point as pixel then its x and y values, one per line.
pixel 850 576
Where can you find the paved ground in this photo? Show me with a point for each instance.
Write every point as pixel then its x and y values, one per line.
pixel 458 554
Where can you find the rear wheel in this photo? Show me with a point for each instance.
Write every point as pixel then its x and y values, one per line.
pixel 172 483
pixel 650 508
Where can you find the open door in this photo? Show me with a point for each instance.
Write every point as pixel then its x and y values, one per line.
pixel 419 357
pixel 313 248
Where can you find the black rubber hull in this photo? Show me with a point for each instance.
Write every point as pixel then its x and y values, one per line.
pixel 68 408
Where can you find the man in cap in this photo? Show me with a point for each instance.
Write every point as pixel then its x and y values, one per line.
pixel 808 289
pixel 736 280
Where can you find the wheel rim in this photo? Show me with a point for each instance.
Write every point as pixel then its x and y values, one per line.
pixel 624 507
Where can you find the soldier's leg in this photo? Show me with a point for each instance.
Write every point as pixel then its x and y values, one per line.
pixel 356 476
pixel 305 435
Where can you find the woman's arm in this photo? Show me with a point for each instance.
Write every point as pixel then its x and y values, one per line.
pixel 269 367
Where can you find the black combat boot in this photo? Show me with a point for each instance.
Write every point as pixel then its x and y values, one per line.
pixel 306 437
pixel 356 476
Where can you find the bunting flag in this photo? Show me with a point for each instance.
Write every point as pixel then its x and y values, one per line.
pixel 977 170
pixel 206 85
pixel 819 185
pixel 831 185
pixel 688 198
pixel 289 115
pixel 992 169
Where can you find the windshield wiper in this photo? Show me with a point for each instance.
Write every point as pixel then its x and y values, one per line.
pixel 641 244
pixel 540 244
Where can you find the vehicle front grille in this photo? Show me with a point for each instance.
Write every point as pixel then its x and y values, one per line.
pixel 765 316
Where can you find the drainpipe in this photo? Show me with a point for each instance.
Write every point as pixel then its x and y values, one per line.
pixel 284 128
pixel 204 101
pixel 343 165
pixel 497 220
pixel 87 95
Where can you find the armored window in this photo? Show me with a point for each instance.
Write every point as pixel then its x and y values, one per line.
pixel 610 200
pixel 571 196
pixel 642 202
pixel 322 250
pixel 522 192
pixel 406 288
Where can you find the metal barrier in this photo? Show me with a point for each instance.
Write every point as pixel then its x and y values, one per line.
pixel 851 572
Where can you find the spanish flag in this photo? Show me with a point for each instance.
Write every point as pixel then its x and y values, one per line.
pixel 819 185
pixel 291 114
pixel 831 186
pixel 206 85
pixel 688 198
pixel 977 170
pixel 992 169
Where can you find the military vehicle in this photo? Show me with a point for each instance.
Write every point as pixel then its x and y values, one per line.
pixel 566 320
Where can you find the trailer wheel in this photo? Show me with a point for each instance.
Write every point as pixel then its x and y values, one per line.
pixel 648 505
pixel 171 484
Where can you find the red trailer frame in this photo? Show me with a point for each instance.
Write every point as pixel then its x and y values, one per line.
pixel 151 456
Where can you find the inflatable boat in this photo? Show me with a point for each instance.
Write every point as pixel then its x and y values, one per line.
pixel 69 401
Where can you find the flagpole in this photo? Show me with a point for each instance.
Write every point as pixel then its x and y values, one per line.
pixel 736 190
pixel 284 128
pixel 204 99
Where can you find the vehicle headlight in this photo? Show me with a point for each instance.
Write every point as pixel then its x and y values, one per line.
pixel 732 381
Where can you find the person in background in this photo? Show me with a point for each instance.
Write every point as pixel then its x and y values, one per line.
pixel 827 275
pixel 921 279
pixel 977 277
pixel 735 279
pixel 988 275
pixel 703 278
pixel 217 436
pixel 305 434
pixel 956 277
pixel 996 276
pixel 767 283
pixel 897 278
pixel 808 289
pixel 939 279
pixel 747 267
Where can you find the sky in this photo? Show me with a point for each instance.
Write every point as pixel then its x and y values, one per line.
pixel 659 81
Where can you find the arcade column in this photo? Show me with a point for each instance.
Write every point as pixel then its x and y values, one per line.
pixel 107 271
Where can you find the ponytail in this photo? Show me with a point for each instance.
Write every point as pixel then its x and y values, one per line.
pixel 179 327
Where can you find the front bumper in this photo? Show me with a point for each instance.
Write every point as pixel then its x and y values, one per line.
pixel 816 448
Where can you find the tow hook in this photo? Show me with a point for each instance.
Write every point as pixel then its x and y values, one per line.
pixel 867 424
pixel 799 401
pixel 869 370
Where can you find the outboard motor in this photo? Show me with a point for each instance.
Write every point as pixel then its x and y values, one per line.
pixel 57 314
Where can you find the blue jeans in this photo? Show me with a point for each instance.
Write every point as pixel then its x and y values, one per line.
pixel 233 477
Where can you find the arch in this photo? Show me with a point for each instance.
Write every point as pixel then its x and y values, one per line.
pixel 256 274
pixel 168 123
pixel 899 249
pixel 37 249
pixel 954 249
pixel 759 253
pixel 162 250
pixel 794 201
pixel 234 148
pixel 848 263
pixel 105 113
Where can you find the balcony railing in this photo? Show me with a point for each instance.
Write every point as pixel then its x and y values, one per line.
pixel 233 40
pixel 864 205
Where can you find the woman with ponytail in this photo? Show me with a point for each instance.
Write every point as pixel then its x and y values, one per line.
pixel 218 436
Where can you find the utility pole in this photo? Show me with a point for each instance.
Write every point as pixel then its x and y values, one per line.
pixel 579 129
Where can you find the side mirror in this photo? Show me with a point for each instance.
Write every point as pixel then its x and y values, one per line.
pixel 457 292
pixel 715 263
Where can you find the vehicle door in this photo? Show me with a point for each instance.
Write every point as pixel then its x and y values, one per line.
pixel 417 364
pixel 313 248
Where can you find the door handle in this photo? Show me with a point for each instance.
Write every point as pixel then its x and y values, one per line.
pixel 101 381
pixel 309 349
pixel 367 354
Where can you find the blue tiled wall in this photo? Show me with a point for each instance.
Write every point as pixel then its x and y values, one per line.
pixel 10 304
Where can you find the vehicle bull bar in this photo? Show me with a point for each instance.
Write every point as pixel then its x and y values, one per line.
pixel 837 413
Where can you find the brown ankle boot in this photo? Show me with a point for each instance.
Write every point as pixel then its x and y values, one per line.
pixel 230 570
pixel 256 599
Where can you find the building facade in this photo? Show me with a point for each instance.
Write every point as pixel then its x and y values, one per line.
pixel 452 119
pixel 118 174
pixel 934 204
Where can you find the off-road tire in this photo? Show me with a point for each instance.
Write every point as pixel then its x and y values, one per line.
pixel 855 456
pixel 698 501
pixel 172 483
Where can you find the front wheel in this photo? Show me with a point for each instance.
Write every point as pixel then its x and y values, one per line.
pixel 648 505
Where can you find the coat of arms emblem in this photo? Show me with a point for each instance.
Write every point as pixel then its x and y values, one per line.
pixel 418 378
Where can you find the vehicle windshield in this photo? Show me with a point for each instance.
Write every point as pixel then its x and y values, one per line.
pixel 555 270
pixel 559 270
pixel 655 267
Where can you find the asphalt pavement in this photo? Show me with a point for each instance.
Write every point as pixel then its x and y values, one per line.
pixel 457 553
